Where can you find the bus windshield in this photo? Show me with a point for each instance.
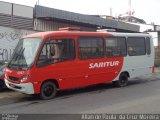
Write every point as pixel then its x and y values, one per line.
pixel 25 53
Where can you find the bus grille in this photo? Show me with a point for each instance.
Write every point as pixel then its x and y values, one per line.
pixel 13 78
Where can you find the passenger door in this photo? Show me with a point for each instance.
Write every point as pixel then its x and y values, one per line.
pixel 90 50
pixel 57 61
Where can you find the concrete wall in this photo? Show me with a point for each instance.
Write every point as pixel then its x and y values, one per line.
pixel 5 8
pixel 155 38
pixel 9 38
pixel 23 11
pixel 158 38
pixel 17 10
pixel 157 56
pixel 157 52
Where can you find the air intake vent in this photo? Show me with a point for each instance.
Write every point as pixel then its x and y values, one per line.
pixel 13 78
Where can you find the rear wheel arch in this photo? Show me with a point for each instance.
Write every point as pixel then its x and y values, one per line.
pixel 124 72
pixel 123 79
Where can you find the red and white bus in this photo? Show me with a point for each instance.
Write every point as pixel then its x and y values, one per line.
pixel 46 62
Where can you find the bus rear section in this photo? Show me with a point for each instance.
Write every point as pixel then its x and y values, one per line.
pixel 140 55
pixel 45 63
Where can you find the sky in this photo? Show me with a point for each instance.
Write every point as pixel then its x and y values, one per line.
pixel 147 10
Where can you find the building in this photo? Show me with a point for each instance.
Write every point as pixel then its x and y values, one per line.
pixel 16 16
pixel 19 20
pixel 132 19
pixel 43 19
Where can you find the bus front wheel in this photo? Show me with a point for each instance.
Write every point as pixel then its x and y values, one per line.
pixel 48 90
pixel 123 80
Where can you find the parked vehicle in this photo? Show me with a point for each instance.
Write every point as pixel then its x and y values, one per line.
pixel 46 62
pixel 2 67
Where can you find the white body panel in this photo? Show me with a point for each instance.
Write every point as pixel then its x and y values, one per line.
pixel 137 65
pixel 26 88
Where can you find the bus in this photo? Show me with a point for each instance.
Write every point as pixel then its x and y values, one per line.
pixel 46 62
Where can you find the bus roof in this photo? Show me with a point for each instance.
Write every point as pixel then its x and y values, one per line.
pixel 83 33
pixel 129 34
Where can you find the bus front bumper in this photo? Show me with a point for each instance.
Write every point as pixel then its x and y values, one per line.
pixel 26 88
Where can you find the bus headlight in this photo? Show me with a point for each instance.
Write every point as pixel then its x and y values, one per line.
pixel 25 78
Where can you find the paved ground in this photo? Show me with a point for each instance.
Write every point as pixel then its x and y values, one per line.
pixel 142 95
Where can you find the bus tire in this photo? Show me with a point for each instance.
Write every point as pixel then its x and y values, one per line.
pixel 123 80
pixel 48 90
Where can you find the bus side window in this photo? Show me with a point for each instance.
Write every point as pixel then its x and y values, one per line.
pixel 115 47
pixel 136 46
pixel 90 47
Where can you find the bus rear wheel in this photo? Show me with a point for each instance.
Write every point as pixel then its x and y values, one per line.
pixel 48 90
pixel 123 80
